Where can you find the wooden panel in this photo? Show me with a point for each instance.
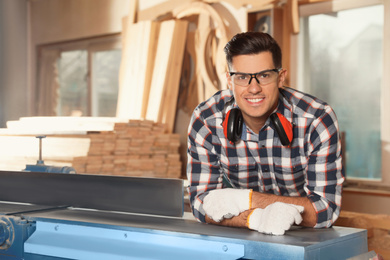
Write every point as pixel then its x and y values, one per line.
pixel 166 74
pixel 160 9
pixel 136 69
pixel 126 23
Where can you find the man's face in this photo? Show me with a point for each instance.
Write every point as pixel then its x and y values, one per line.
pixel 255 100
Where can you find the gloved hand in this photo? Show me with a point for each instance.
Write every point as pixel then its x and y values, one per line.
pixel 276 218
pixel 226 203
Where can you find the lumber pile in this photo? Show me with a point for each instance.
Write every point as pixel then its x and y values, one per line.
pixel 378 229
pixel 172 57
pixel 151 69
pixel 136 148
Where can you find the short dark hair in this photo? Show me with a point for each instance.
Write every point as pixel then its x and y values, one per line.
pixel 253 43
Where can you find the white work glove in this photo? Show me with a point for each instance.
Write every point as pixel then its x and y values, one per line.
pixel 276 218
pixel 226 203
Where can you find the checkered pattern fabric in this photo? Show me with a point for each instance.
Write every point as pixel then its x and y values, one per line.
pixel 310 167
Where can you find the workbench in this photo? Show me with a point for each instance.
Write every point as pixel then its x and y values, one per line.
pixel 74 216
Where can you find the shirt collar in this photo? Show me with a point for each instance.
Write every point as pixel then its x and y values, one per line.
pixel 285 107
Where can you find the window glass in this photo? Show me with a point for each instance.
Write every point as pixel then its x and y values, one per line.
pixel 105 74
pixel 342 57
pixel 73 87
pixel 79 97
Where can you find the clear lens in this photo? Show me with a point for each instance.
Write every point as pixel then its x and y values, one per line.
pixel 265 77
pixel 241 79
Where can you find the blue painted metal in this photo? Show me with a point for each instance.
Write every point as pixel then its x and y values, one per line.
pixel 109 235
pixel 49 169
pixel 86 242
pixel 54 217
pixel 14 231
pixel 41 167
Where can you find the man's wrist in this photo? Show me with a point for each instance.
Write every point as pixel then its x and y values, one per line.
pixel 237 221
pixel 262 200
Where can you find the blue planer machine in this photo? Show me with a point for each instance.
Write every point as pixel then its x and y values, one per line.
pixel 74 216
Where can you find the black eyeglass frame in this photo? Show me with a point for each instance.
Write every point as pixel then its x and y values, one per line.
pixel 253 75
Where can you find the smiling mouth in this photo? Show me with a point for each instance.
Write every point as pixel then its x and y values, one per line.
pixel 254 100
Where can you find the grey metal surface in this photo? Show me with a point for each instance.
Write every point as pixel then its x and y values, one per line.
pixel 298 243
pixel 151 209
pixel 7 208
pixel 113 193
pixel 298 236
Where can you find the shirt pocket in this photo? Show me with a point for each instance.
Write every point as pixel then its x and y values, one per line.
pixel 241 175
pixel 291 178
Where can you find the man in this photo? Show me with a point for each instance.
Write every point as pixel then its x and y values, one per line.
pixel 261 155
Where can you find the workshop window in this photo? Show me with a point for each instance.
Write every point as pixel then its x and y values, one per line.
pixel 88 89
pixel 341 53
pixel 81 78
pixel 73 83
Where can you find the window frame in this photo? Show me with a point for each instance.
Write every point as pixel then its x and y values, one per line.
pixel 91 45
pixel 306 10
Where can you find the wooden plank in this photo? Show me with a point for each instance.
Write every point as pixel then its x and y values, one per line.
pixel 294 16
pixel 286 43
pixel 173 78
pixel 161 9
pixel 218 23
pixel 243 3
pixel 126 23
pixel 166 74
pixel 137 63
pixel 207 72
pixel 311 1
pixel 189 97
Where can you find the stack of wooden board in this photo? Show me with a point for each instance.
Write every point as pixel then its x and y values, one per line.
pixel 150 70
pixel 137 148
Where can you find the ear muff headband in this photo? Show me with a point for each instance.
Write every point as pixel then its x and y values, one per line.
pixel 283 128
pixel 232 125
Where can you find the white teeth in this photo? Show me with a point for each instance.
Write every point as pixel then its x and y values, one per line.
pixel 255 99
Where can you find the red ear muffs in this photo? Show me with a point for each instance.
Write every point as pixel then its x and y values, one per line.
pixel 232 125
pixel 283 128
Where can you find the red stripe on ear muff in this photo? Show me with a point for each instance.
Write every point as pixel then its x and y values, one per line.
pixel 225 124
pixel 287 126
pixel 283 127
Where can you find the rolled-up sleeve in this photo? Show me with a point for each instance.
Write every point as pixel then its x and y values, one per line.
pixel 203 170
pixel 325 174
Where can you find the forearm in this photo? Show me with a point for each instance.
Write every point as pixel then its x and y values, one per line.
pixel 238 221
pixel 262 200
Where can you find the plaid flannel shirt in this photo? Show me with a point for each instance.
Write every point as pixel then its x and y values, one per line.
pixel 310 167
